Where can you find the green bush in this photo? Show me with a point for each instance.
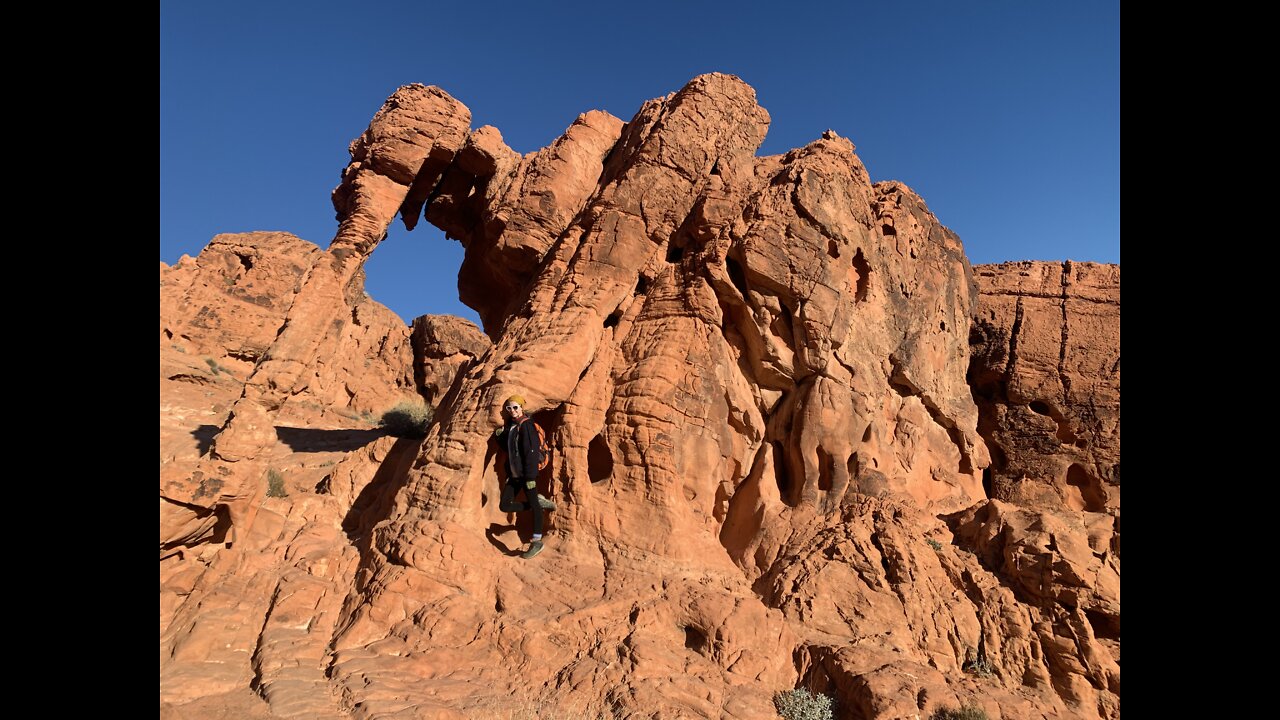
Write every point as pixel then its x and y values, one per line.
pixel 407 419
pixel 275 484
pixel 967 712
pixel 934 544
pixel 800 704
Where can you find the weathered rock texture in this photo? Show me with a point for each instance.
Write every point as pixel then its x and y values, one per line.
pixel 229 303
pixel 394 164
pixel 766 455
pixel 1046 374
pixel 442 345
pixel 219 314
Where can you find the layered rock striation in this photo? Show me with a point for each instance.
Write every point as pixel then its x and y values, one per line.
pixel 1046 373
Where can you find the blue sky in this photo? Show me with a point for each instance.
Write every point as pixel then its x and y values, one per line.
pixel 1003 115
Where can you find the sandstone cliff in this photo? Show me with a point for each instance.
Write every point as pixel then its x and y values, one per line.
pixel 768 460
pixel 1046 372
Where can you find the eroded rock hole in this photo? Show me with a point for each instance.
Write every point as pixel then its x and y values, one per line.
pixel 1104 625
pixel 642 285
pixel 863 268
pixel 783 326
pixel 826 470
pixel 736 275
pixel 833 249
pixel 675 253
pixel 1041 407
pixel 599 460
pixel 866 435
pixel 612 320
pixel 694 639
pixel 781 475
pixel 992 483
pixel 1091 492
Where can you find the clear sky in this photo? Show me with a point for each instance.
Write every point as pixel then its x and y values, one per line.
pixel 1003 114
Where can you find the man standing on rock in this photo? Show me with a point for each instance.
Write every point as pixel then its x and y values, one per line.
pixel 521 439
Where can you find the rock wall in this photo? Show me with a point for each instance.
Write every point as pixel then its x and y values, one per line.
pixel 1046 373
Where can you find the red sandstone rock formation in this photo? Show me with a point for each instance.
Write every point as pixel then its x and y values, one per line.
pixel 752 372
pixel 442 345
pixel 220 312
pixel 228 304
pixel 1046 372
pixel 395 164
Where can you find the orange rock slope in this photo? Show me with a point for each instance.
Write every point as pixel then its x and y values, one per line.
pixel 767 455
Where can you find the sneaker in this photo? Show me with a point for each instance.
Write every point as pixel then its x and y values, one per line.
pixel 535 547
pixel 545 503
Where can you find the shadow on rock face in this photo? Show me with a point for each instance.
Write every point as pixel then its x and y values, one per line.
pixel 317 440
pixel 204 436
pixel 492 533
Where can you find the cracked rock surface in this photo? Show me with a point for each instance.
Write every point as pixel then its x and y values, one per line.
pixel 1046 374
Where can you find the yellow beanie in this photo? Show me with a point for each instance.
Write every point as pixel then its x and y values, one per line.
pixel 517 399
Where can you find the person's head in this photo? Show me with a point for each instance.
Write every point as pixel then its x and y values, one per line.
pixel 513 407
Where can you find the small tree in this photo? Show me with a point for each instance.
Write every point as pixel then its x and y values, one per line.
pixel 966 712
pixel 275 484
pixel 800 704
pixel 409 418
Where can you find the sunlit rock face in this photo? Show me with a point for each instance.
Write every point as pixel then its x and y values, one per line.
pixel 1046 373
pixel 220 315
pixel 443 344
pixel 766 457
